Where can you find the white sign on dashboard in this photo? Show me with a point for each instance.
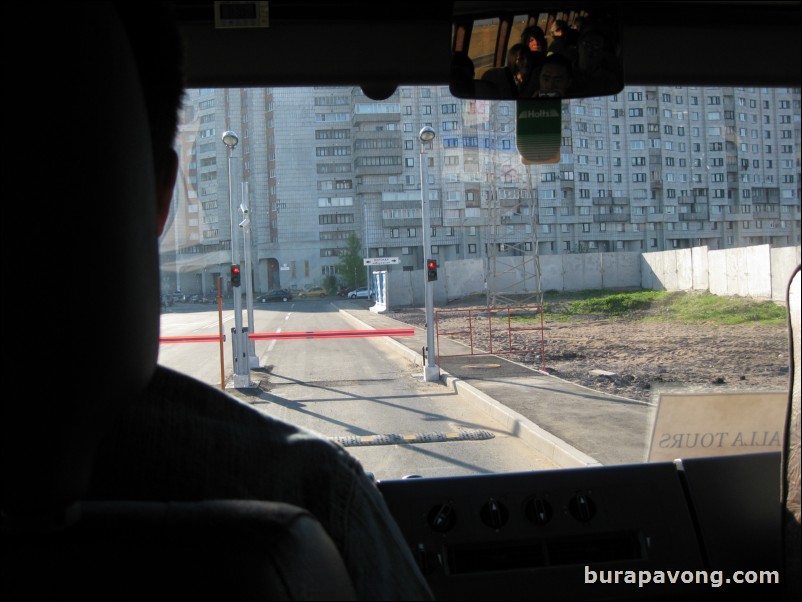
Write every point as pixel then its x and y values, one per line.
pixel 717 424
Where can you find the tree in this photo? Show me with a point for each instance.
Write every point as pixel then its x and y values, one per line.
pixel 330 283
pixel 351 267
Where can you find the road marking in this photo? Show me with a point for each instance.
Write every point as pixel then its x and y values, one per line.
pixel 272 343
pixel 395 439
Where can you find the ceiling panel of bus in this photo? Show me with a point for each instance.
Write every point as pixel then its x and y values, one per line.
pixel 383 44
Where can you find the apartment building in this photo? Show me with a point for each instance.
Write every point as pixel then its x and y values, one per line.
pixel 649 169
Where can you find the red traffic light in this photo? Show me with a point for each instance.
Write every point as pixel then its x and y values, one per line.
pixel 235 275
pixel 431 266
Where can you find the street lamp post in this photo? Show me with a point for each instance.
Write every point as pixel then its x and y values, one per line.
pixel 367 249
pixel 239 346
pixel 431 371
pixel 245 224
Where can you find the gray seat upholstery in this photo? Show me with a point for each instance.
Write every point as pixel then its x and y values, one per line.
pixel 82 129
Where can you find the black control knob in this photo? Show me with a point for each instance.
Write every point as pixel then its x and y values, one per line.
pixel 424 560
pixel 582 507
pixel 494 514
pixel 538 511
pixel 442 518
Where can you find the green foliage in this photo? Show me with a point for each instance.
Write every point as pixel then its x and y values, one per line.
pixel 330 283
pixel 661 305
pixel 352 270
pixel 705 307
pixel 617 304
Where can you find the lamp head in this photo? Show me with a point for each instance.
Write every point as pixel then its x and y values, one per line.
pixel 427 134
pixel 230 139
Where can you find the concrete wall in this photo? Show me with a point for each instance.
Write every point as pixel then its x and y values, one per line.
pixel 760 272
pixel 783 263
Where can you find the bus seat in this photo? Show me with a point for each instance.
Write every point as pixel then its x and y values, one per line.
pixel 792 529
pixel 81 126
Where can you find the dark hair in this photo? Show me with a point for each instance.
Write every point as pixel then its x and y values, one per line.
pixel 534 31
pixel 462 66
pixel 515 51
pixel 157 47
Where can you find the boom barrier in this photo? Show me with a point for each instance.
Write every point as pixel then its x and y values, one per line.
pixel 312 334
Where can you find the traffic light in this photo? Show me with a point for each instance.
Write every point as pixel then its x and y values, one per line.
pixel 235 275
pixel 431 265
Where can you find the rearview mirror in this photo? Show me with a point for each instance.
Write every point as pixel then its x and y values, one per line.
pixel 531 50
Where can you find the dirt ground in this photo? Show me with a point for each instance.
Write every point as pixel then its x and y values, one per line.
pixel 638 358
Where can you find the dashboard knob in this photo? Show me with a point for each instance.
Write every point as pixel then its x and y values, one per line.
pixel 538 511
pixel 442 518
pixel 494 514
pixel 582 507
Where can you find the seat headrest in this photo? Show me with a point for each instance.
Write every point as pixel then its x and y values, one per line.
pixel 88 339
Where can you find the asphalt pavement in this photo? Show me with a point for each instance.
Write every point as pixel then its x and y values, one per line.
pixel 570 424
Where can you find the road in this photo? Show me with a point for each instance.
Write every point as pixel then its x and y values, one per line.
pixel 372 401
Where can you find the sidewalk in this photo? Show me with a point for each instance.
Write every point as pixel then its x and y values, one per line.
pixel 570 424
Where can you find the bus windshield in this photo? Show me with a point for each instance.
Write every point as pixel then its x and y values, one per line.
pixel 301 210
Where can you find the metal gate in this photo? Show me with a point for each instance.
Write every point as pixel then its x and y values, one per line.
pixel 494 331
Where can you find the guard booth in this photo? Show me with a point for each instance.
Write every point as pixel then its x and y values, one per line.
pixel 380 292
pixel 379 282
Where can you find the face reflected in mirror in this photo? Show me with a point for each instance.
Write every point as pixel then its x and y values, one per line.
pixel 555 77
pixel 534 39
pixel 587 39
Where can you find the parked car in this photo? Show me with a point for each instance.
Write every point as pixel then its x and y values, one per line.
pixel 317 291
pixel 363 292
pixel 343 292
pixel 280 294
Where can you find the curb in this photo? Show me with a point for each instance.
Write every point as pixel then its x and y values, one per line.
pixel 558 451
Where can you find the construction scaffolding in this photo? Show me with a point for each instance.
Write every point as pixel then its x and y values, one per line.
pixel 512 271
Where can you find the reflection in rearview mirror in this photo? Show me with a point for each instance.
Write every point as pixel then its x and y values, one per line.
pixel 525 52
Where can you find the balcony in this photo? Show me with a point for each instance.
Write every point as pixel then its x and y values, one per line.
pixel 611 217
pixel 696 216
pixel 774 214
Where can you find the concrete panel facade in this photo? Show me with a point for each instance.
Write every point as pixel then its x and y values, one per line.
pixel 758 271
pixel 464 277
pixel 551 269
pixel 620 270
pixel 737 276
pixel 582 271
pixel 648 277
pixel 683 263
pixel 701 280
pixel 717 270
pixel 783 263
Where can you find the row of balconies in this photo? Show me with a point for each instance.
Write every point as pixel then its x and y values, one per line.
pixel 506 246
pixel 611 217
pixel 695 216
